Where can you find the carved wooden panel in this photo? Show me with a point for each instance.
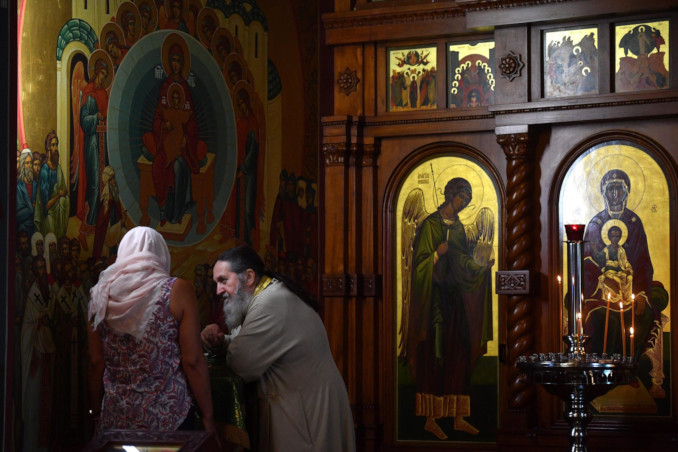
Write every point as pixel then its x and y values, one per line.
pixel 513 282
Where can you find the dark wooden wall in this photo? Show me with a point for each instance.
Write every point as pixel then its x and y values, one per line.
pixel 527 140
pixel 8 14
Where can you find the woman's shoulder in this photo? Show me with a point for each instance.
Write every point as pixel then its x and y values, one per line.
pixel 179 286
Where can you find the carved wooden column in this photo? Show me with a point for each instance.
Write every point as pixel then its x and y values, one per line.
pixel 368 294
pixel 350 288
pixel 522 242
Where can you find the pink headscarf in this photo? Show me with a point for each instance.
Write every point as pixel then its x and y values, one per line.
pixel 126 293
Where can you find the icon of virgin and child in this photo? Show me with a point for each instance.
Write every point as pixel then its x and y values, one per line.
pixel 618 266
pixel 173 141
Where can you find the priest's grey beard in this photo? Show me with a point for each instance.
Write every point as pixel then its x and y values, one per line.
pixel 235 307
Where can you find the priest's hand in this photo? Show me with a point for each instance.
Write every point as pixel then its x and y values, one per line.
pixel 212 337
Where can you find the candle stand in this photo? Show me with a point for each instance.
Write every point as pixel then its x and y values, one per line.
pixel 577 379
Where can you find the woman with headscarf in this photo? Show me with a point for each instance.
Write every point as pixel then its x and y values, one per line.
pixel 146 360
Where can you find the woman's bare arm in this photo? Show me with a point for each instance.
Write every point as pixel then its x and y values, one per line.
pixel 184 308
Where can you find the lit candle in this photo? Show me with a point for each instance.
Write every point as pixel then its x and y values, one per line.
pixel 633 321
pixel 607 321
pixel 572 313
pixel 581 330
pixel 575 232
pixel 632 342
pixel 560 300
pixel 623 336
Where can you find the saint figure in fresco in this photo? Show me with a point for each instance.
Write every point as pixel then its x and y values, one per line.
pixel 112 45
pixel 91 150
pixel 173 143
pixel 38 160
pixel 414 92
pixel 148 14
pixel 207 24
pixel 246 202
pixel 427 88
pixel 70 340
pixel 221 46
pixel 37 361
pixel 26 191
pixel 248 134
pixel 175 15
pixel 112 216
pixel 129 19
pixel 635 274
pixel 447 302
pixel 291 239
pixel 52 203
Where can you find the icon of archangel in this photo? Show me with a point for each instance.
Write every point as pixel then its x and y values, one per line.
pixel 446 308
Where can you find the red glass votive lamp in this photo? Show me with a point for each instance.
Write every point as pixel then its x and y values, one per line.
pixel 575 232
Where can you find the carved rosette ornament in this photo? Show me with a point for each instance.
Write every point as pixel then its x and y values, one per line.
pixel 520 258
pixel 348 81
pixel 511 65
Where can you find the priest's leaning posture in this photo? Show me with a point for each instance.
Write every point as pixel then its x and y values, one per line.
pixel 282 344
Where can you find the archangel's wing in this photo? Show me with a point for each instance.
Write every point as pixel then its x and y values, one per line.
pixel 414 212
pixel 480 236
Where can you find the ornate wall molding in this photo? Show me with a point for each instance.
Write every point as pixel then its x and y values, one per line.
pixel 339 154
pixel 486 5
pixel 373 17
pixel 379 121
pixel 534 107
pixel 348 80
pixel 351 285
pixel 451 115
pixel 437 12
pixel 365 155
pixel 335 154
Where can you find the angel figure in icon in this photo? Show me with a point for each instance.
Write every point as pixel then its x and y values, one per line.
pixel 446 318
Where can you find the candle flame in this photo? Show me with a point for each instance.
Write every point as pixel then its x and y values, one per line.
pixel 633 296
pixel 631 331
pixel 608 296
pixel 579 315
pixel 621 305
pixel 558 279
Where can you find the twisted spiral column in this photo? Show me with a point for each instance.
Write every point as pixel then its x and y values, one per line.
pixel 522 240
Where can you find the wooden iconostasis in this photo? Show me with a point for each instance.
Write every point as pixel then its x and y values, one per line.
pixel 485 128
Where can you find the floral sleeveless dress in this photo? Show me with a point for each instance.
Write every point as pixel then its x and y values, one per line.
pixel 144 384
